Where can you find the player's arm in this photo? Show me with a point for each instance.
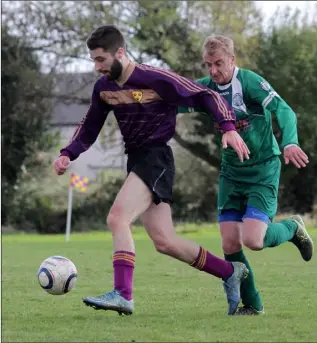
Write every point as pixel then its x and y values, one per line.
pixel 180 91
pixel 183 92
pixel 182 109
pixel 88 129
pixel 261 92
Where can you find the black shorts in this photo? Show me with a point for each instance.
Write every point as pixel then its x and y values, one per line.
pixel 155 167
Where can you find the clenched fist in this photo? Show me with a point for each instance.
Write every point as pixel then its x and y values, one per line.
pixel 61 165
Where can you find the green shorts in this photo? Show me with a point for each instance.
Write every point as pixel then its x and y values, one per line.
pixel 250 186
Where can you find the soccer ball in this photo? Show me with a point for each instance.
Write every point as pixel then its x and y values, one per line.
pixel 57 275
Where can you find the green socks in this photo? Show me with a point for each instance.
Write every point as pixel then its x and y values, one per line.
pixel 278 233
pixel 249 294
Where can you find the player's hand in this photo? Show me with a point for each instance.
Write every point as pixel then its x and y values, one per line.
pixel 61 165
pixel 295 155
pixel 233 139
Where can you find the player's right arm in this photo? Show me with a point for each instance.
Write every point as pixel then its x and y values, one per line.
pixel 262 93
pixel 180 91
pixel 86 132
pixel 182 109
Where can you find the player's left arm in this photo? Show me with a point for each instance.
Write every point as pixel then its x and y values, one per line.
pixel 261 92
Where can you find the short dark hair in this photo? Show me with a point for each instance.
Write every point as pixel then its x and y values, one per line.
pixel 107 37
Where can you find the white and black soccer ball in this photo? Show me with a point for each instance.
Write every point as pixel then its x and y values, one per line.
pixel 57 275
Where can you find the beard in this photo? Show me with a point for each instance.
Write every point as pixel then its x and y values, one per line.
pixel 115 70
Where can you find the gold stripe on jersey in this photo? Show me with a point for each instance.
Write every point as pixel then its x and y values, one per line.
pixel 130 96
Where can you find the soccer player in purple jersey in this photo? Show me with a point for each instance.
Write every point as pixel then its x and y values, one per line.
pixel 145 101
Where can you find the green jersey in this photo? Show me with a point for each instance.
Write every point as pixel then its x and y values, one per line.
pixel 254 100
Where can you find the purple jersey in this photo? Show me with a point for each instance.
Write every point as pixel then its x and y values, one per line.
pixel 145 103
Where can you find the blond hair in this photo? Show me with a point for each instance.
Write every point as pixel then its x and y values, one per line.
pixel 215 42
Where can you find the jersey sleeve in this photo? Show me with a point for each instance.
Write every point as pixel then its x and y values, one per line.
pixel 89 128
pixel 182 109
pixel 261 92
pixel 182 92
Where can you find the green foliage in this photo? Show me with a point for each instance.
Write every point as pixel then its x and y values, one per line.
pixel 92 212
pixel 173 31
pixel 166 33
pixel 38 207
pixel 40 203
pixel 287 59
pixel 25 115
pixel 195 189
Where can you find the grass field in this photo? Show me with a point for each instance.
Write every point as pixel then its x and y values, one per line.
pixel 174 303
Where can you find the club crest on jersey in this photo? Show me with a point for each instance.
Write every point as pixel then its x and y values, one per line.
pixel 237 100
pixel 137 96
pixel 265 85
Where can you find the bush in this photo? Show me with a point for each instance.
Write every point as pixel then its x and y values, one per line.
pixel 35 210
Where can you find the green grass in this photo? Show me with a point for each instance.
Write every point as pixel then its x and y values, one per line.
pixel 174 302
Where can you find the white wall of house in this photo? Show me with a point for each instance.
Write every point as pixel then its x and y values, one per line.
pixel 106 153
pixel 65 117
pixel 96 157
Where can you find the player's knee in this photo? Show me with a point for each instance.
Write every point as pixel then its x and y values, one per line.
pixel 163 245
pixel 115 218
pixel 230 246
pixel 253 243
pixel 112 221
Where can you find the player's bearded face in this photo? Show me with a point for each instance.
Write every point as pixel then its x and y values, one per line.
pixel 107 64
pixel 220 66
pixel 115 70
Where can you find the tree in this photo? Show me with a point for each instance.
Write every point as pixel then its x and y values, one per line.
pixel 25 115
pixel 287 59
pixel 165 33
pixel 168 33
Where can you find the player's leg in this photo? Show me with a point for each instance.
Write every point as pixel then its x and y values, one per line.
pixel 258 235
pixel 231 205
pixel 259 232
pixel 159 225
pixel 123 212
pixel 232 247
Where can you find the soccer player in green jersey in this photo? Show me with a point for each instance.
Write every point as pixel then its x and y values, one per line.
pixel 248 191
